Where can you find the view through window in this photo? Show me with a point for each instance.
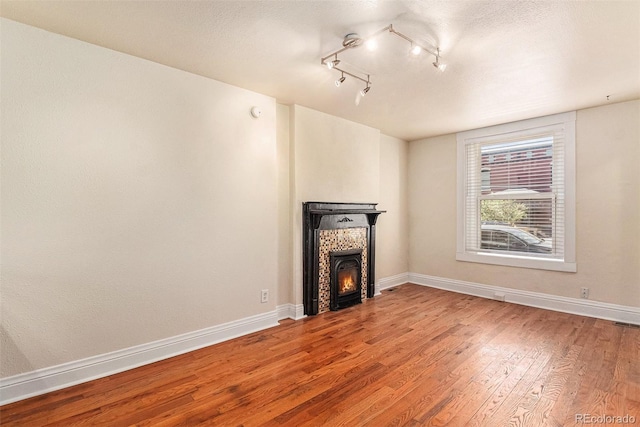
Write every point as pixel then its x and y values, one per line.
pixel 516 198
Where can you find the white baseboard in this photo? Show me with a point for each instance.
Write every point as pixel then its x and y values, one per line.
pixel 390 282
pixel 290 311
pixel 600 310
pixel 45 380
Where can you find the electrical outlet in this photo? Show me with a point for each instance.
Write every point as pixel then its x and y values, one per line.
pixel 584 293
pixel 264 295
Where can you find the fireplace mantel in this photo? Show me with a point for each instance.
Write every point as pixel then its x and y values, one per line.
pixel 334 216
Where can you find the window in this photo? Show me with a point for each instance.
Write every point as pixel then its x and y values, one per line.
pixel 485 176
pixel 516 194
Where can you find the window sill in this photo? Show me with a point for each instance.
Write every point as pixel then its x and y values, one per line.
pixel 518 261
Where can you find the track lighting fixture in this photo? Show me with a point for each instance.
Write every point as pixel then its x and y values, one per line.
pixel 439 66
pixel 437 62
pixel 353 40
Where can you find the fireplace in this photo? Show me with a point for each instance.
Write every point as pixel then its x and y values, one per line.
pixel 346 278
pixel 342 234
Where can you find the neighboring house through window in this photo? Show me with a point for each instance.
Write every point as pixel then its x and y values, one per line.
pixel 516 194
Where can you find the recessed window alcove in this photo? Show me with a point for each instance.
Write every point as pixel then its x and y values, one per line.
pixel 339 244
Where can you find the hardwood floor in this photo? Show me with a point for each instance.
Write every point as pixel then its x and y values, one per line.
pixel 414 356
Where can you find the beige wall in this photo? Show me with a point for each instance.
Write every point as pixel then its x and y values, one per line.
pixel 134 199
pixel 285 272
pixel 335 159
pixel 392 234
pixel 608 213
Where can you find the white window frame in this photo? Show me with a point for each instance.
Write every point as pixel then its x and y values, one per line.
pixel 519 130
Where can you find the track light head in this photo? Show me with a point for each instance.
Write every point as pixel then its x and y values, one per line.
pixel 331 64
pixel 334 63
pixel 340 80
pixel 439 65
pixel 416 50
pixel 364 91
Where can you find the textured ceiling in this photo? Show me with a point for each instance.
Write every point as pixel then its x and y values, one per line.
pixel 507 60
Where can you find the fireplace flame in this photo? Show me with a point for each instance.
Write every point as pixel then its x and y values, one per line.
pixel 347 284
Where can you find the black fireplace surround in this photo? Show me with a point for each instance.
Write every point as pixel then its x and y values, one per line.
pixel 332 216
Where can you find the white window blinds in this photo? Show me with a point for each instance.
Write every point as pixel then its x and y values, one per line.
pixel 512 191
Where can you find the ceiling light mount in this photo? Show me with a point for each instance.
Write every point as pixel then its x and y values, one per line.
pixel 353 40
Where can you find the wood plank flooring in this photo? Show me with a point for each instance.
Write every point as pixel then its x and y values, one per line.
pixel 414 356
